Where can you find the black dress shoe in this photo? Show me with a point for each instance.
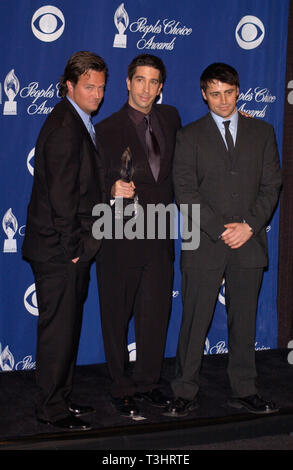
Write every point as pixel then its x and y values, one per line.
pixel 126 406
pixel 155 397
pixel 253 404
pixel 70 423
pixel 180 407
pixel 80 410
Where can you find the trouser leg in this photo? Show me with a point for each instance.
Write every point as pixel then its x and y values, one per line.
pixel 117 289
pixel 61 291
pixel 151 316
pixel 242 290
pixel 200 288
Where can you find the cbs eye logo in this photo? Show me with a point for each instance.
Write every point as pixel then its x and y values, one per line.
pixel 30 300
pixel 48 23
pixel 249 32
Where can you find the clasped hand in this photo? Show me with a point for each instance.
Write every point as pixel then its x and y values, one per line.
pixel 236 234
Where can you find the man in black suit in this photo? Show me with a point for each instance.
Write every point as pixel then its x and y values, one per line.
pixel 234 176
pixel 68 183
pixel 135 276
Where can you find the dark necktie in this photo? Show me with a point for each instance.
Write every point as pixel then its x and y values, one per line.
pixel 228 137
pixel 152 148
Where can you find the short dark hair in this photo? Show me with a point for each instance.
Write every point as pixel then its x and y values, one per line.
pixel 150 61
pixel 78 64
pixel 220 72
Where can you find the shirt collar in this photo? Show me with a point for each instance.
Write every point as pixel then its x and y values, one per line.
pixel 136 116
pixel 233 119
pixel 84 116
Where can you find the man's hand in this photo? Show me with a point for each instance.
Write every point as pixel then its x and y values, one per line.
pixel 236 234
pixel 75 260
pixel 122 189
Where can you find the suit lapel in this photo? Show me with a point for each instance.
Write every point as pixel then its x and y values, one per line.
pixel 215 136
pixel 83 128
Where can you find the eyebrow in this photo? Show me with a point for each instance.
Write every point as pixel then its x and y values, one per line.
pixel 143 76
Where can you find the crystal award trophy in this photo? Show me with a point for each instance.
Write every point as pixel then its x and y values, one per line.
pixel 126 173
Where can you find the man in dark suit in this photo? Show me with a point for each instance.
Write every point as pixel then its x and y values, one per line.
pixel 235 178
pixel 68 183
pixel 135 276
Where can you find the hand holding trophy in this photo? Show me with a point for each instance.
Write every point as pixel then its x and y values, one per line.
pixel 126 173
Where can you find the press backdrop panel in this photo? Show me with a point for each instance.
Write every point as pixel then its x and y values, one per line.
pixel 37 38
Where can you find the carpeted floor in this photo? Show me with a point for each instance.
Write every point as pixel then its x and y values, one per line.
pixel 214 426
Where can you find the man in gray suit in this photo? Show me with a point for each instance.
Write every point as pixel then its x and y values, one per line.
pixel 228 163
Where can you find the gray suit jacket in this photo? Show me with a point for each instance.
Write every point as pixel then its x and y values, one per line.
pixel 244 188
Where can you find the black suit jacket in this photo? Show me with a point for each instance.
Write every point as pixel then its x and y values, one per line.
pixel 245 188
pixel 68 182
pixel 114 135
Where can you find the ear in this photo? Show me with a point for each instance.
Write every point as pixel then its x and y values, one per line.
pixel 160 89
pixel 128 83
pixel 204 95
pixel 70 86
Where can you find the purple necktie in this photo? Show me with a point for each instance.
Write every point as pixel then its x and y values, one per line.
pixel 153 149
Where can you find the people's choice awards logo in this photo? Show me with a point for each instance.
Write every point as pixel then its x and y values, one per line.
pixel 48 23
pixel 249 32
pixel 121 21
pixel 11 88
pixel 160 34
pixel 30 300
pixel 6 359
pixel 10 226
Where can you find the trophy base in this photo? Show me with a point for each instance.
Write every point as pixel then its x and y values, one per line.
pixel 9 246
pixel 10 108
pixel 120 40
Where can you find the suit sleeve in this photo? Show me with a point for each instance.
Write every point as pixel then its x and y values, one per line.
pixel 186 186
pixel 62 163
pixel 269 187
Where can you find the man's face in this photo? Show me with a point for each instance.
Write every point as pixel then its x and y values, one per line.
pixel 143 88
pixel 221 98
pixel 88 92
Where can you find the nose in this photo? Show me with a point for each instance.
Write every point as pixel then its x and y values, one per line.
pixel 223 98
pixel 100 93
pixel 146 86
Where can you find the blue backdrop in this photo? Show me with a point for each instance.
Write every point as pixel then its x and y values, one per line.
pixel 37 38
